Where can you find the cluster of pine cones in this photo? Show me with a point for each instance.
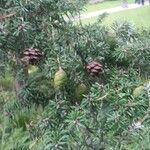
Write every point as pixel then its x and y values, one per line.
pixel 94 68
pixel 31 56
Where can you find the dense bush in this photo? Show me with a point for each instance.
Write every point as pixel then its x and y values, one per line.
pixel 89 91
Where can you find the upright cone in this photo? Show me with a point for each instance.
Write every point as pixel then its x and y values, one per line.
pixel 31 56
pixel 32 69
pixel 81 89
pixel 94 68
pixel 60 78
pixel 138 91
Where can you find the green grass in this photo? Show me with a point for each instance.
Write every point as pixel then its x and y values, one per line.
pixel 139 16
pixel 104 5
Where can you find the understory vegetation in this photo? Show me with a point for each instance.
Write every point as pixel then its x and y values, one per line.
pixel 68 87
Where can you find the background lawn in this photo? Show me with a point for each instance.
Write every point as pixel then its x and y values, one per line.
pixel 139 16
pixel 104 5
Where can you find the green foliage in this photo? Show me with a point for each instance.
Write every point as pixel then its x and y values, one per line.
pixel 17 140
pixel 108 116
pixel 130 48
pixel 104 119
pixel 38 90
pixel 6 82
pixel 33 24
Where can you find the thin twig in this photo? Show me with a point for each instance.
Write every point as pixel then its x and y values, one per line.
pixel 7 16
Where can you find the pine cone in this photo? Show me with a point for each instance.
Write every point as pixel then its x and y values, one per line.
pixel 94 68
pixel 31 56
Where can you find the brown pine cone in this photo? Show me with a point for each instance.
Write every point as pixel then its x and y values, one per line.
pixel 31 56
pixel 94 68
